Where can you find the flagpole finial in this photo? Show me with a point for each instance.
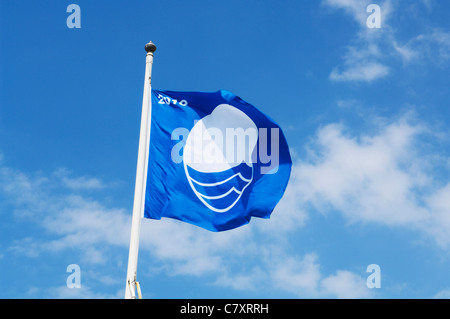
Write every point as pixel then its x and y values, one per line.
pixel 150 47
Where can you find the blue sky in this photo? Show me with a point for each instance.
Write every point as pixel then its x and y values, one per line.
pixel 365 112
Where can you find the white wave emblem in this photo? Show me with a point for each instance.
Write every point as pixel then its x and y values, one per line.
pixel 217 157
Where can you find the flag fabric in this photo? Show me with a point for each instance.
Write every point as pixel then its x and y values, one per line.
pixel 215 160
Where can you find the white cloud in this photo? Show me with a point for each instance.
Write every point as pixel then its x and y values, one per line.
pixel 365 72
pixel 75 222
pixel 362 61
pixel 303 278
pixel 430 46
pixel 86 225
pixel 248 281
pixel 443 294
pixel 355 8
pixel 406 52
pixel 348 104
pixel 63 292
pixel 82 183
pixel 190 251
pixel 19 189
pixel 299 276
pixel 77 183
pixel 354 173
pixel 383 177
pixel 371 54
pixel 346 285
pixel 441 39
pixel 428 3
pixel 439 215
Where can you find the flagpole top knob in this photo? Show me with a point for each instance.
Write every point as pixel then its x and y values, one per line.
pixel 150 47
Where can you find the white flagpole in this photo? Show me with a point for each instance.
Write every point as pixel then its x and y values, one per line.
pixel 141 175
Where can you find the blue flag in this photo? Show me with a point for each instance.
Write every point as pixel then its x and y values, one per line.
pixel 214 160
